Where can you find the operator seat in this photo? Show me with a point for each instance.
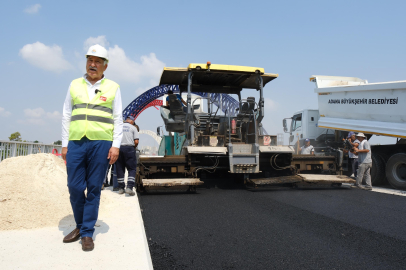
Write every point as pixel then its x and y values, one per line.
pixel 246 109
pixel 174 117
pixel 175 106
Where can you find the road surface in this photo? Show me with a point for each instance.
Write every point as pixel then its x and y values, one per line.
pixel 233 228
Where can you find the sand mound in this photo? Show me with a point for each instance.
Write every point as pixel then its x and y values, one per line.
pixel 34 192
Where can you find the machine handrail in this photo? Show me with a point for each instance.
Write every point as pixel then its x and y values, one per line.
pixel 255 128
pixel 229 127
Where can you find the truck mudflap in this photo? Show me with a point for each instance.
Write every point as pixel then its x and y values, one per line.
pixel 301 179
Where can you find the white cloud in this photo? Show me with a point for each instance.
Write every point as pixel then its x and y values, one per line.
pixel 122 68
pixel 54 115
pixel 45 57
pixel 101 40
pixel 32 9
pixel 34 113
pixel 4 113
pixel 38 116
pixel 270 105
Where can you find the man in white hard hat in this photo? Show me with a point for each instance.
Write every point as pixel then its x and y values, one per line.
pixel 91 135
pixel 364 162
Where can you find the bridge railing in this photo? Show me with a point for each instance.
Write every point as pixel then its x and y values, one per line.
pixel 15 149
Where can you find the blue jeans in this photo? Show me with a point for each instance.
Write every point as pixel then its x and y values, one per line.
pixel 86 163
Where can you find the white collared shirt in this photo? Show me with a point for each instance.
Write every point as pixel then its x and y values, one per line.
pixel 117 113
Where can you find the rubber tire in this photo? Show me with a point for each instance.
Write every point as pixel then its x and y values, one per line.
pixel 377 171
pixel 395 162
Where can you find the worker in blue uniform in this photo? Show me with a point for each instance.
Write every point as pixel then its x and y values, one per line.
pixel 91 137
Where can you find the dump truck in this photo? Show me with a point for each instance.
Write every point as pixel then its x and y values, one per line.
pixel 351 104
pixel 203 144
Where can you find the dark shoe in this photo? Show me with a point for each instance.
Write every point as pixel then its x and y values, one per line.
pixel 72 237
pixel 87 244
pixel 106 184
pixel 116 189
pixel 130 191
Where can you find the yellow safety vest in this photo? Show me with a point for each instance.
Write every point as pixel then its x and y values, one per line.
pixel 94 118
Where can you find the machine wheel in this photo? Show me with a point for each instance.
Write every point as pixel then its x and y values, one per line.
pixel 396 171
pixel 378 170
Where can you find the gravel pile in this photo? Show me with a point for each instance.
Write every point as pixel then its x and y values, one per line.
pixel 34 192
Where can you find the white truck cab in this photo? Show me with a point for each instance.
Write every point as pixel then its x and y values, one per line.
pixel 304 125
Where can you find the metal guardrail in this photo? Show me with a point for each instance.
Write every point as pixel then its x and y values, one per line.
pixel 15 149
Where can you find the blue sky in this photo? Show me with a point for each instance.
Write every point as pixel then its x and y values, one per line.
pixel 43 46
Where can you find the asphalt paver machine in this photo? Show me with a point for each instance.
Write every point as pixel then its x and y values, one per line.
pixel 201 144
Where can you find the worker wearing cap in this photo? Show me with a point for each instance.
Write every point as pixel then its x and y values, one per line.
pixel 127 158
pixel 91 135
pixel 364 162
pixel 353 157
pixel 307 149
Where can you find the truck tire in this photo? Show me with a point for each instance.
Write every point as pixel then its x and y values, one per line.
pixel 377 171
pixel 396 171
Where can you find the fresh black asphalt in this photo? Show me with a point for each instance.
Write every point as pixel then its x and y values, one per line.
pixel 225 228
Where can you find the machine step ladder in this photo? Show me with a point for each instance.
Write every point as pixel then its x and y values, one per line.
pixel 244 158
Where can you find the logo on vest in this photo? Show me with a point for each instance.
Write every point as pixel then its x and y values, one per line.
pixel 103 98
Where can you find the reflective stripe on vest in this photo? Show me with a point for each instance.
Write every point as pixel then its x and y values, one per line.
pixel 92 118
pixel 92 106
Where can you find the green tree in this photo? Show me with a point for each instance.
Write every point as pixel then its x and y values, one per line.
pixel 58 142
pixel 36 141
pixel 16 136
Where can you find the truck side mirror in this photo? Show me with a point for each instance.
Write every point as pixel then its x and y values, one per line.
pixel 285 128
pixel 158 132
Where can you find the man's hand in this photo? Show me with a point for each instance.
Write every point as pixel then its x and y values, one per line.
pixel 64 152
pixel 113 155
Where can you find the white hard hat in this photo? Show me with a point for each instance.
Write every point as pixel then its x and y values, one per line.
pixel 99 51
pixel 361 135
